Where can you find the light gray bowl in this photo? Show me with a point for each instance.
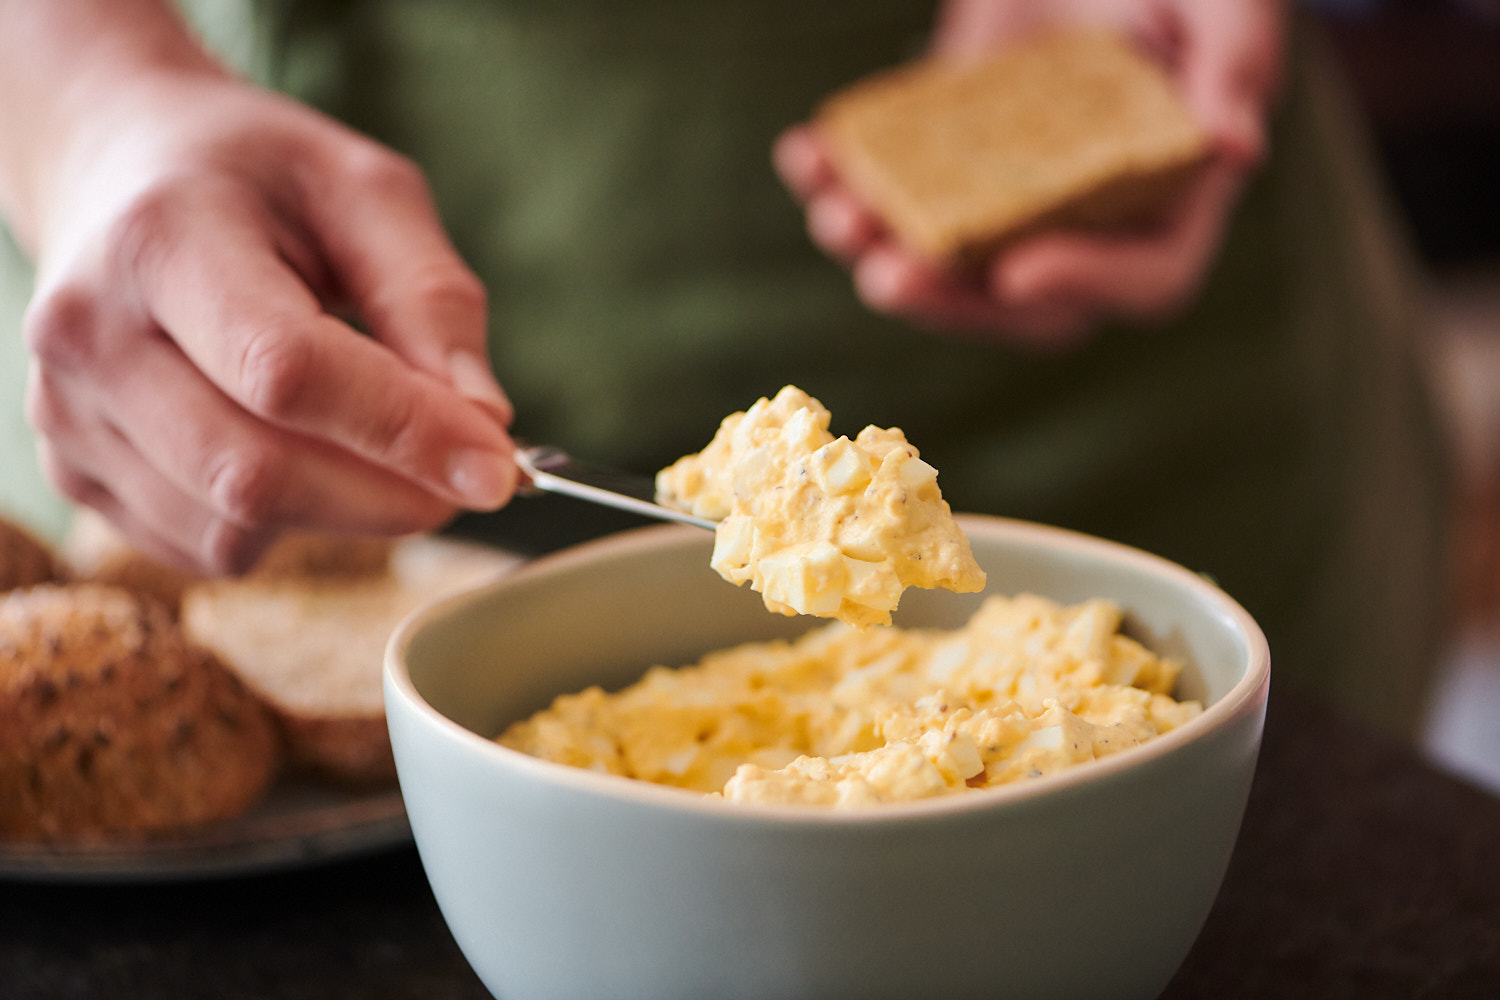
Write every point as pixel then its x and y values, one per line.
pixel 558 882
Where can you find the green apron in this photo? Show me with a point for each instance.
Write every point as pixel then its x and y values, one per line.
pixel 604 166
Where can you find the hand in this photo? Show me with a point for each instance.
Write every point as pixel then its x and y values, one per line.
pixel 192 377
pixel 1052 289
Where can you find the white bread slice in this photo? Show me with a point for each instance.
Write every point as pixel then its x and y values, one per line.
pixel 313 648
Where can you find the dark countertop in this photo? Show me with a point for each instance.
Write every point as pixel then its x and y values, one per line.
pixel 1361 871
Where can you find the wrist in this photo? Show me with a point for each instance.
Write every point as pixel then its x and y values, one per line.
pixel 71 72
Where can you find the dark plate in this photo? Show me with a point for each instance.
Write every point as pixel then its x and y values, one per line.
pixel 299 823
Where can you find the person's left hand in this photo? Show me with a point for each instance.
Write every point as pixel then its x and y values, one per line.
pixel 1052 289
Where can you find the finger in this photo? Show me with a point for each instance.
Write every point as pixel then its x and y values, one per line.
pixel 381 233
pixel 93 463
pixel 153 514
pixel 893 281
pixel 1228 69
pixel 802 162
pixel 889 279
pixel 215 453
pixel 968 30
pixel 245 319
pixel 1140 276
pixel 86 492
pixel 840 225
pixel 248 472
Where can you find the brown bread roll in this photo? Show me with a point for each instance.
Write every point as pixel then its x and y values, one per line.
pixel 112 724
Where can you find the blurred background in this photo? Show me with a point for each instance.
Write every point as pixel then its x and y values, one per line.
pixel 1427 73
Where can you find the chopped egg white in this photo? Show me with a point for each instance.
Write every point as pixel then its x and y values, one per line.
pixel 820 525
pixel 847 717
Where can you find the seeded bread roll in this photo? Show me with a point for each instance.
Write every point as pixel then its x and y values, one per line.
pixel 1073 130
pixel 24 560
pixel 112 724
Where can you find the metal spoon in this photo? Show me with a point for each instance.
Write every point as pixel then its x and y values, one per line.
pixel 555 471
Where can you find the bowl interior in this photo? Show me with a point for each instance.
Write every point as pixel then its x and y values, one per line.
pixel 604 612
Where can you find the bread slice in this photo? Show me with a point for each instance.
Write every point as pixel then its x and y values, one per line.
pixel 95 550
pixel 113 725
pixel 1072 129
pixel 313 648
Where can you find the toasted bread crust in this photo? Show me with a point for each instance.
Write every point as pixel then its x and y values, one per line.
pixel 353 750
pixel 112 723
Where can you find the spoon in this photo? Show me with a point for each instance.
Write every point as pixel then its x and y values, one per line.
pixel 555 471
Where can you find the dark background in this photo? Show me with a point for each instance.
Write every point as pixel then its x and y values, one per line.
pixel 1427 73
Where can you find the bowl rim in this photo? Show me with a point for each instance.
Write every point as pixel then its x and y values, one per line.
pixel 1248 694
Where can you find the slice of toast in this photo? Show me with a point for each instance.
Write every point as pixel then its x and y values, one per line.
pixel 1073 129
pixel 312 651
pixel 313 648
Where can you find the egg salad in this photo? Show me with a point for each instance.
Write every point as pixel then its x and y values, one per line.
pixel 820 525
pixel 846 717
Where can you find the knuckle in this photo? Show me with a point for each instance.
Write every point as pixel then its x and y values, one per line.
pixel 383 171
pixel 75 488
pixel 46 410
pixel 453 287
pixel 442 288
pixel 144 233
pixel 61 327
pixel 274 372
pixel 245 484
pixel 396 432
pixel 70 482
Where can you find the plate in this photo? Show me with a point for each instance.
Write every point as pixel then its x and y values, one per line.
pixel 299 823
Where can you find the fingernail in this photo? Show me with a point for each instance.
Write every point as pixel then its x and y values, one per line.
pixel 472 377
pixel 478 478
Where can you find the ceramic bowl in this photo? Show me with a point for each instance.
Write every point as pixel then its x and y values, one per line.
pixel 558 882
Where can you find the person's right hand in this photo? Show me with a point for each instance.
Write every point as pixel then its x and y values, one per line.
pixel 192 378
